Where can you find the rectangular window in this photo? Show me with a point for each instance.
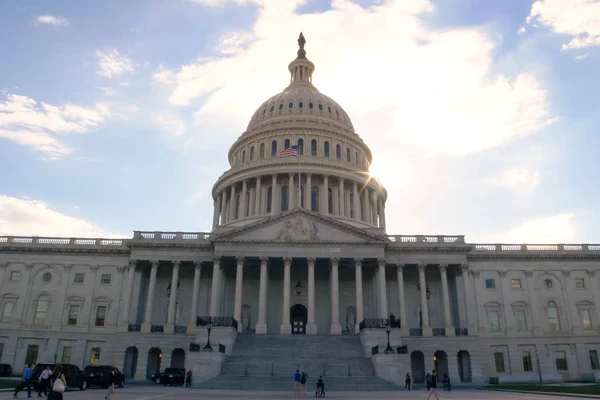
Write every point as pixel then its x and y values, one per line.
pixel 73 314
pixel 7 312
pixel 561 360
pixel 516 284
pixel 66 355
pixel 499 361
pixel 41 309
pixel 79 278
pixel 15 276
pixel 594 363
pixel 32 354
pixel 105 279
pixel 586 319
pixel 580 283
pixel 521 319
pixel 490 284
pixel 494 318
pixel 95 356
pixel 527 365
pixel 100 315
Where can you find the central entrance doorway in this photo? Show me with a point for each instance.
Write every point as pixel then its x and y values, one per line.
pixel 298 318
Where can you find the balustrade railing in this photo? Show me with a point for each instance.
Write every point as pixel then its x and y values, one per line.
pixel 415 332
pixel 134 328
pixel 157 328
pixel 461 332
pixel 485 248
pixel 171 236
pixel 180 329
pixel 55 241
pixel 427 239
pixel 217 322
pixel 439 332
pixel 378 323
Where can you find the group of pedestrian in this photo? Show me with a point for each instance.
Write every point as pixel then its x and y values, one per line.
pixel 300 379
pixel 430 382
pixel 51 382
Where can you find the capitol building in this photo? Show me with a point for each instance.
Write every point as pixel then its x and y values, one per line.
pixel 298 256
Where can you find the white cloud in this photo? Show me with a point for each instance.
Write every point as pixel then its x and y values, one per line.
pixel 27 217
pixel 520 180
pixel 579 19
pixel 113 64
pixel 233 42
pixel 53 20
pixel 400 82
pixel 559 228
pixel 521 30
pixel 582 57
pixel 29 123
pixel 172 125
pixel 108 91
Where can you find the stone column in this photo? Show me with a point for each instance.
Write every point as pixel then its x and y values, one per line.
pixel 195 293
pixel 335 199
pixel 215 294
pixel 360 315
pixel 173 298
pixel 251 197
pixel 129 291
pixel 147 325
pixel 308 193
pixel 286 328
pixel 366 206
pixel 342 199
pixel 232 204
pixel 427 331
pixel 243 199
pixel 311 327
pixel 447 316
pixel 380 211
pixel 224 207
pixel 217 212
pixel 374 210
pixel 383 309
pixel 382 214
pixel 464 271
pixel 401 297
pixel 325 196
pixel 261 326
pixel 335 328
pixel 355 201
pixel 257 205
pixel 274 206
pixel 239 282
pixel 291 201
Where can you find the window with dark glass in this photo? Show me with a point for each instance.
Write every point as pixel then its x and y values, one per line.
pixel 284 198
pixel 310 105
pixel 300 146
pixel 338 152
pixel 313 147
pixel 352 205
pixel 262 150
pixel 281 106
pixel 314 199
pixel 527 364
pixel 301 195
pixel 100 315
pixel 286 144
pixel 330 201
pixel 274 148
pixel 594 363
pixel 561 360
pixel 329 109
pixel 290 104
pixel 490 284
pixel 499 361
pixel 300 105
pixel 320 107
pixel 269 199
pixel 348 155
pixel 553 320
pixel 73 314
pixel 326 149
pixel 272 108
pixel 251 153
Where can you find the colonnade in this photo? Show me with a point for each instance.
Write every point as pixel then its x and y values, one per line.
pixel 262 196
pixel 311 328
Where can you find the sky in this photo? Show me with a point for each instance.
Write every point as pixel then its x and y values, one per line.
pixel 482 116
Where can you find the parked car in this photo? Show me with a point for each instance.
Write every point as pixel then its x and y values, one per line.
pixel 98 375
pixel 5 370
pixel 170 376
pixel 76 378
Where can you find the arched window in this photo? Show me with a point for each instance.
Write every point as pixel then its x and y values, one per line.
pixel 284 198
pixel 286 144
pixel 326 149
pixel 262 150
pixel 300 146
pixel 274 148
pixel 313 147
pixel 41 310
pixel 356 157
pixel 269 199
pixel 251 153
pixel 314 199
pixel 330 201
pixel 348 155
pixel 338 152
pixel 244 156
pixel 553 320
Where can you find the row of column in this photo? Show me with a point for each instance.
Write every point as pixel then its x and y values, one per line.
pixel 345 201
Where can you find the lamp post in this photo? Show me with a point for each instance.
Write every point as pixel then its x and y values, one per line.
pixel 209 326
pixel 388 329
pixel 427 291
pixel 537 357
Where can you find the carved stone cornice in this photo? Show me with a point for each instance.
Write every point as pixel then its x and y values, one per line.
pixel 240 260
pixel 217 260
pixel 422 267
pixel 287 261
pixel 311 261
pixel 381 262
pixel 176 264
pixel 198 264
pixel 154 263
pixel 358 262
pixel 443 267
pixel 335 261
pixel 264 261
pixel 133 263
pixel 566 273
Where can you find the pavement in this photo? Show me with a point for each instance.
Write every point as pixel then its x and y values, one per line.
pixel 178 393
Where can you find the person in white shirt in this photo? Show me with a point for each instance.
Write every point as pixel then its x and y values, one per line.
pixel 44 381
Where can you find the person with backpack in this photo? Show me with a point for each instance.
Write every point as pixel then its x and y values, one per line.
pixel 303 379
pixel 320 387
pixel 432 386
pixel 58 383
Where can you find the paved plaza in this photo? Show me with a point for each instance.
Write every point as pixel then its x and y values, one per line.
pixel 159 392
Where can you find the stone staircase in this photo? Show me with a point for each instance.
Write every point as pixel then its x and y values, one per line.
pixel 268 362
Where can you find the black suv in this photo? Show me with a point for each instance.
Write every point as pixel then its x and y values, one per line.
pixel 99 375
pixel 170 376
pixel 74 376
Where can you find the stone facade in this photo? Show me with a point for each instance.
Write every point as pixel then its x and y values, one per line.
pixel 282 259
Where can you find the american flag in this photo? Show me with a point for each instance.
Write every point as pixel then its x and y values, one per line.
pixel 289 152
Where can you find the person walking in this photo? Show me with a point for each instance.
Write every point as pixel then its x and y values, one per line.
pixel 44 382
pixel 303 380
pixel 111 385
pixel 25 381
pixel 188 379
pixel 407 381
pixel 432 386
pixel 58 383
pixel 428 381
pixel 297 387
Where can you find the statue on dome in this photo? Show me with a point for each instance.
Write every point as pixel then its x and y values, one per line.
pixel 301 41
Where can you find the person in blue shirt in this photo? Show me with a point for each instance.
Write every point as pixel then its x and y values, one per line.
pixel 26 381
pixel 297 387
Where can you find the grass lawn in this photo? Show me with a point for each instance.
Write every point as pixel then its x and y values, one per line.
pixel 553 389
pixel 8 383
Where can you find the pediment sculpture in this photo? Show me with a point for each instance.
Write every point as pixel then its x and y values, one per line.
pixel 297 229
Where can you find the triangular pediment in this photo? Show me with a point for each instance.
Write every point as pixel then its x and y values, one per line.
pixel 300 226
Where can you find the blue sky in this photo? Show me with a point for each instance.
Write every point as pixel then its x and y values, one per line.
pixel 482 116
